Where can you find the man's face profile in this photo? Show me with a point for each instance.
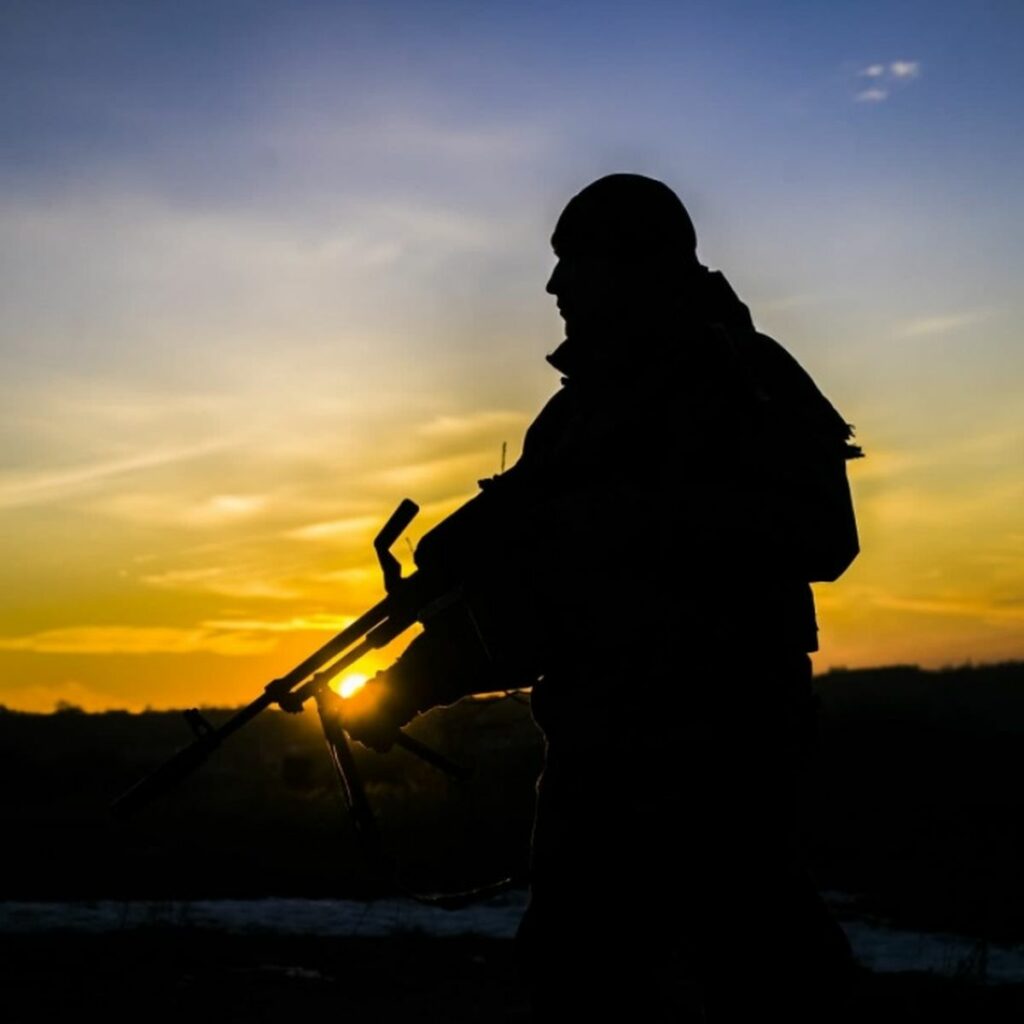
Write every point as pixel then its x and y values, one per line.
pixel 594 287
pixel 624 246
pixel 586 287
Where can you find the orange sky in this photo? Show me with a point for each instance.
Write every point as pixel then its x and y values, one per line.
pixel 204 572
pixel 261 285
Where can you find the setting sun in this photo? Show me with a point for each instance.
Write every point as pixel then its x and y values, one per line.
pixel 350 684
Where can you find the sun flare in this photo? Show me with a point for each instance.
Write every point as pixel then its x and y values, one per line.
pixel 349 685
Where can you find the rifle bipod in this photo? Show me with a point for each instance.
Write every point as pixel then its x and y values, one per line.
pixel 379 865
pixel 409 600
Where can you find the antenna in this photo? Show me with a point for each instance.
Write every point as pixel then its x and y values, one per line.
pixel 504 451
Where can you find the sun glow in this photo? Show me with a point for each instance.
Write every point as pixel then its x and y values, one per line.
pixel 349 685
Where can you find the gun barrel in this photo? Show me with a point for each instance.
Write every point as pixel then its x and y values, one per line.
pixel 181 764
pixel 185 761
pixel 374 628
pixel 191 757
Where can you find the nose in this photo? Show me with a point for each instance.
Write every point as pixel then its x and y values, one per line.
pixel 553 281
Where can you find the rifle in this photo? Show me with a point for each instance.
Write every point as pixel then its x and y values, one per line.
pixel 409 599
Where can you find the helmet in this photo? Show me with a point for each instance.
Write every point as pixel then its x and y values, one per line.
pixel 627 216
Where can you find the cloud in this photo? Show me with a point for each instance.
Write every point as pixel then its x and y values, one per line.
pixel 170 509
pixel 227 582
pixel 137 640
pixel 894 69
pixel 42 486
pixel 925 326
pixel 886 76
pixel 359 576
pixel 905 68
pixel 957 607
pixel 320 622
pixel 784 303
pixel 337 529
pixel 455 472
pixel 885 465
pixel 221 508
pixel 977 607
pixel 474 425
pixel 228 637
pixel 928 501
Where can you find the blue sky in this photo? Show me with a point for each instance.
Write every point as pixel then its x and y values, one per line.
pixel 254 253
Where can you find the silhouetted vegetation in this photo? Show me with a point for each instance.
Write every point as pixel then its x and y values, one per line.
pixel 923 808
pixel 264 816
pixel 919 809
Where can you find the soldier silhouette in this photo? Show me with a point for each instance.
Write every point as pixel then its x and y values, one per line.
pixel 673 502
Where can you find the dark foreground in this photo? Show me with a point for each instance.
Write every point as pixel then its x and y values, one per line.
pixel 917 804
pixel 919 818
pixel 193 976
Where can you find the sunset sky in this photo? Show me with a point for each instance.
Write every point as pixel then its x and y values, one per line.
pixel 269 268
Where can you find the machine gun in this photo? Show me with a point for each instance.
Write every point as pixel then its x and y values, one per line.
pixel 435 586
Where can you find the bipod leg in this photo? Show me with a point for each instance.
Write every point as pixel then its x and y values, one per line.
pixel 383 868
pixel 349 777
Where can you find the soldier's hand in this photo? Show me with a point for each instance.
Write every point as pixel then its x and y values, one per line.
pixel 375 713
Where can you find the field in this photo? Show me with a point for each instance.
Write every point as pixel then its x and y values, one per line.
pixel 919 823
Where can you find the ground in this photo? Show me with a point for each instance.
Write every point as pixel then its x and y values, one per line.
pixel 167 974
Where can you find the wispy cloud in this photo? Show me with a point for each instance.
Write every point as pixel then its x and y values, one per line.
pixel 474 425
pixel 922 505
pixel 42 486
pixel 357 575
pixel 783 303
pixel 239 637
pixel 223 508
pixel 338 529
pixel 169 508
pixel 320 622
pixel 894 69
pixel 447 474
pixel 239 582
pixel 954 606
pixel 885 465
pixel 924 326
pixel 884 76
pixel 138 640
pixel 905 68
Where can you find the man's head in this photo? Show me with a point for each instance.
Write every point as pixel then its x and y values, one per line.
pixel 625 247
